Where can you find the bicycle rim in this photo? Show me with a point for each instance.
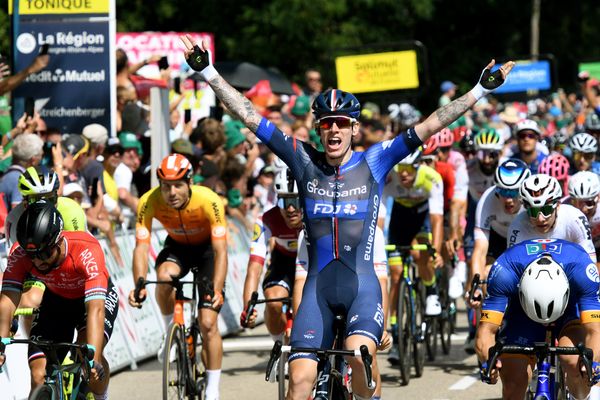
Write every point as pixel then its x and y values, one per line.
pixel 44 392
pixel 199 373
pixel 418 350
pixel 281 378
pixel 446 332
pixel 431 334
pixel 174 371
pixel 405 332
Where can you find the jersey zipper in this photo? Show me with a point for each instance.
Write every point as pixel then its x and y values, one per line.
pixel 336 253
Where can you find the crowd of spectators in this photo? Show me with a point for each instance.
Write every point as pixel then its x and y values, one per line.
pixel 107 173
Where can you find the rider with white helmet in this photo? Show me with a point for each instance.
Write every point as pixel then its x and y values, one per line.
pixel 546 217
pixel 584 191
pixel 556 283
pixel 584 148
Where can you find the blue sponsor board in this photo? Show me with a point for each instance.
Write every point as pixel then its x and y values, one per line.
pixel 527 75
pixel 74 90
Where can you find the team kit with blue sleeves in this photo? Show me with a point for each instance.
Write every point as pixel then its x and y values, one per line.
pixel 501 305
pixel 341 206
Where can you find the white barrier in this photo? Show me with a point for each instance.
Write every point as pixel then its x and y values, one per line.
pixel 138 332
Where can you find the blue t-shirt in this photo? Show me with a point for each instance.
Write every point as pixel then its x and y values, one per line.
pixel 9 185
pixel 505 275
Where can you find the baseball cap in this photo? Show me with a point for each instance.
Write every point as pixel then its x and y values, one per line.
pixel 267 169
pixel 447 85
pixel 71 188
pixel 113 146
pixel 301 106
pixel 130 141
pixel 95 133
pixel 76 145
pixel 234 134
pixel 182 146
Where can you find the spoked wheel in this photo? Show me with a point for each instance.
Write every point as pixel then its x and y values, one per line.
pixel 174 365
pixel 281 378
pixel 405 332
pixel 445 325
pixel 431 336
pixel 421 329
pixel 44 392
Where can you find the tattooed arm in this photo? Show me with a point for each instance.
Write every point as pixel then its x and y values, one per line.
pixel 235 102
pixel 445 115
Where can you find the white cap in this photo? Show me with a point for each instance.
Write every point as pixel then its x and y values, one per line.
pixel 71 188
pixel 96 134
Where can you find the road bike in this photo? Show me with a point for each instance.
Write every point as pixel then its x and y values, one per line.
pixel 410 315
pixel 287 310
pixel 183 371
pixel 56 384
pixel 332 369
pixel 447 320
pixel 550 383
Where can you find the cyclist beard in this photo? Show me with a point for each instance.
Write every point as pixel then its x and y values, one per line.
pixel 51 267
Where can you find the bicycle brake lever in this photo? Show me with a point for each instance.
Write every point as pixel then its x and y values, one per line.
pixel 251 305
pixel 586 356
pixel 275 353
pixel 367 359
pixel 139 285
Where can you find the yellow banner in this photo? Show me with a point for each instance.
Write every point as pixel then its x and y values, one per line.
pixel 378 72
pixel 32 7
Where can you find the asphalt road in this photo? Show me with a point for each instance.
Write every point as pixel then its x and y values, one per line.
pixel 448 377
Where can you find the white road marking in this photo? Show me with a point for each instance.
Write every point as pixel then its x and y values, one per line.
pixel 464 383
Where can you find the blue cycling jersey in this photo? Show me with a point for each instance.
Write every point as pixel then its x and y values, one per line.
pixel 340 203
pixel 503 281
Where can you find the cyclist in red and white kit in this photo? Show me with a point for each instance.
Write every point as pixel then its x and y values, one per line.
pixel 79 294
pixel 281 223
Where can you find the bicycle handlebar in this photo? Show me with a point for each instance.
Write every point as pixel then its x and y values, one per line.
pixel 176 283
pixel 476 283
pixel 26 311
pixel 540 350
pixel 362 352
pixel 254 300
pixel 405 249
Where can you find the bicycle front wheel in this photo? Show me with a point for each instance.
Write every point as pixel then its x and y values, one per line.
pixel 405 332
pixel 174 364
pixel 45 392
pixel 281 379
pixel 421 328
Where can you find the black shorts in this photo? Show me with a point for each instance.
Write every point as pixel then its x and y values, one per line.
pixel 281 272
pixel 60 317
pixel 497 245
pixel 406 223
pixel 198 258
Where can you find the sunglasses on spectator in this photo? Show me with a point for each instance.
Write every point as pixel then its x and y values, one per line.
pixel 507 193
pixel 482 154
pixel 342 122
pixel 410 168
pixel 286 202
pixel 587 203
pixel 578 155
pixel 546 210
pixel 527 135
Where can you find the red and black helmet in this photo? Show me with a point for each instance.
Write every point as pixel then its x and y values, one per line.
pixel 174 168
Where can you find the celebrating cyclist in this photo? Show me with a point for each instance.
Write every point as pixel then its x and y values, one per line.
pixel 340 193
pixel 195 222
pixel 79 294
pixel 537 285
pixel 546 217
pixel 282 223
pixel 584 192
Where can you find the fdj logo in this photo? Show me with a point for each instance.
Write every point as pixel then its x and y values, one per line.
pixel 323 208
pixel 536 248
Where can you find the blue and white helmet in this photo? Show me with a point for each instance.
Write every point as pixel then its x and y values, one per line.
pixel 511 174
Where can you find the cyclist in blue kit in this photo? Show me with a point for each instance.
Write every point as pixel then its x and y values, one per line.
pixel 340 191
pixel 532 285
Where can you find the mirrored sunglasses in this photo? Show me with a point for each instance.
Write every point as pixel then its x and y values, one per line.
pixel 546 210
pixel 587 156
pixel 587 203
pixel 507 193
pixel 340 121
pixel 286 202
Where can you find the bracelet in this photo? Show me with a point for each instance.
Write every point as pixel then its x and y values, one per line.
pixel 479 91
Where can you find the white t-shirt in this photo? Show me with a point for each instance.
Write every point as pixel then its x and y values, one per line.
pixel 490 214
pixel 571 224
pixel 379 256
pixel 123 177
pixel 461 183
pixel 478 181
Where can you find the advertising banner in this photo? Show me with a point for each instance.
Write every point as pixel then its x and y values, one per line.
pixel 592 67
pixel 527 75
pixel 378 72
pixel 75 89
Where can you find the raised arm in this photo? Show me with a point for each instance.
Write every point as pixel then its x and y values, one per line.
pixel 444 116
pixel 200 59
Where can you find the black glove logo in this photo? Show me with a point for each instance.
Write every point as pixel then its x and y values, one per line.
pixel 198 60
pixel 491 81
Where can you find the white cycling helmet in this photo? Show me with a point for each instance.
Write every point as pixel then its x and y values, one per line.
pixel 511 174
pixel 285 183
pixel 584 143
pixel 544 290
pixel 584 185
pixel 413 158
pixel 539 190
pixel 528 124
